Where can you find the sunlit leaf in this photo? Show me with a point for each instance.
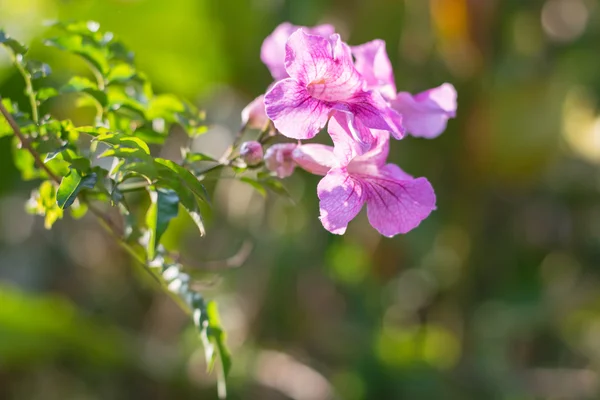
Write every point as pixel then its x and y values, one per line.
pixel 121 73
pixel 71 185
pixel 76 45
pixel 46 93
pixel 122 140
pixel 78 84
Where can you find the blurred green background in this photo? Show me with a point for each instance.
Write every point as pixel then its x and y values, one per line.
pixel 495 296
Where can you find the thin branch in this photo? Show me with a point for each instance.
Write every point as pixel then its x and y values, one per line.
pixel 26 144
pixel 236 140
pixel 29 91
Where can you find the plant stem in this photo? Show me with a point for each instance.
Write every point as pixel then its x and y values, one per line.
pixel 28 90
pixel 26 144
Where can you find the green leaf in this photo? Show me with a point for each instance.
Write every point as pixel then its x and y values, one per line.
pixel 255 184
pixel 46 93
pixel 213 339
pixel 276 186
pixel 122 140
pixel 53 153
pixel 165 106
pixel 121 73
pixel 196 157
pixel 43 202
pixel 76 45
pixel 188 200
pixel 37 69
pixel 78 84
pixel 129 154
pixel 164 207
pixel 150 136
pixel 15 46
pixel 71 185
pixel 119 99
pixel 145 169
pixel 87 28
pixel 187 177
pixel 82 164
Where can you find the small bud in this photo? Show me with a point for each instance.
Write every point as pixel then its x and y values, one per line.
pixel 279 159
pixel 254 115
pixel 251 152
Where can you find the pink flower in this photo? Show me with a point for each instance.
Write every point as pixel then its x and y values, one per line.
pixel 426 114
pixel 372 62
pixel 254 115
pixel 272 52
pixel 278 159
pixel 423 115
pixel 396 202
pixel 251 152
pixel 324 80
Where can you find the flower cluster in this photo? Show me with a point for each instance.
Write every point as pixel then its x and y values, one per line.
pixel 320 81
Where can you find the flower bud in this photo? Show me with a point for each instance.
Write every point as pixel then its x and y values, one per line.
pixel 278 159
pixel 251 152
pixel 254 115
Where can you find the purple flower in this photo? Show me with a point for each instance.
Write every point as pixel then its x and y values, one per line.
pixel 278 159
pixel 426 114
pixel 272 52
pixel 251 152
pixel 254 115
pixel 423 115
pixel 372 62
pixel 323 80
pixel 396 202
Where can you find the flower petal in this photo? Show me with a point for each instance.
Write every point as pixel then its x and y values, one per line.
pixel 317 159
pixel 350 137
pixel 254 115
pixel 372 62
pixel 377 153
pixel 294 112
pixel 278 159
pixel 395 205
pixel 374 112
pixel 272 52
pixel 426 114
pixel 341 199
pixel 323 65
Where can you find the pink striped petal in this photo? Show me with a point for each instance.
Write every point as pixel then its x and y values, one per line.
pixel 426 114
pixel 272 52
pixel 341 199
pixel 372 62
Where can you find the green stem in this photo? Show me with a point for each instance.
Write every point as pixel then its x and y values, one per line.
pixel 28 90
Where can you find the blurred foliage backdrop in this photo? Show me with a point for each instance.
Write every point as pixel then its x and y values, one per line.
pixel 495 296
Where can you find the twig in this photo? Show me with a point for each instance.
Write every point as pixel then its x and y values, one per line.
pixel 26 144
pixel 229 151
pixel 28 90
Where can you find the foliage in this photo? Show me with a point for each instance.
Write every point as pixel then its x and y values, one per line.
pixel 130 123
